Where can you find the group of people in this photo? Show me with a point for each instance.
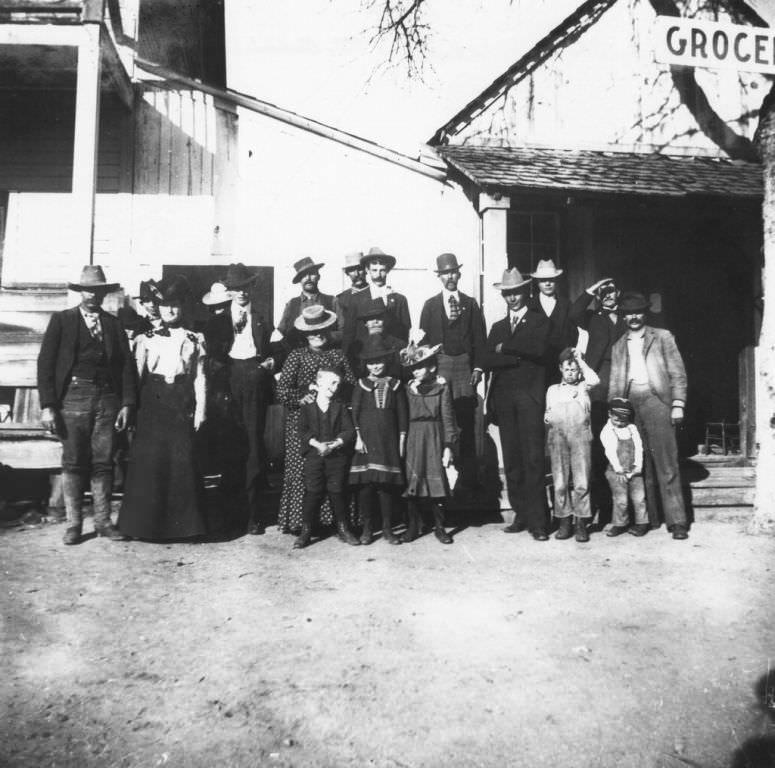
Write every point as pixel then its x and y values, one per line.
pixel 373 422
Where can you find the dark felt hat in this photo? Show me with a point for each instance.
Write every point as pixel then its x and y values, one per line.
pixel 621 406
pixel 174 290
pixel 633 302
pixel 149 291
pixel 238 276
pixel 374 309
pixel 305 266
pixel 375 348
pixel 92 276
pixel 447 262
pixel 377 254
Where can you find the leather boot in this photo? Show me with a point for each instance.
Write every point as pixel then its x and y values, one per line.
pixel 387 523
pixel 101 490
pixel 582 531
pixel 438 525
pixel 343 532
pixel 565 531
pixel 72 488
pixel 307 515
pixel 413 522
pixel 367 532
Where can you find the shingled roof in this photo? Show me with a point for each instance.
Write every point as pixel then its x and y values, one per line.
pixel 571 170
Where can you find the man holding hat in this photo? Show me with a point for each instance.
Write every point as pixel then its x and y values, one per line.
pixel 647 368
pixel 397 320
pixel 308 276
pixel 87 385
pixel 455 321
pixel 562 331
pixel 515 352
pixel 239 340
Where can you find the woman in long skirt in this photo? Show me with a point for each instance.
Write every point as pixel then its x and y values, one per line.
pixel 163 492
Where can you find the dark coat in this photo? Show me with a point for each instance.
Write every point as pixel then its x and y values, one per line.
pixel 433 320
pixel 562 329
pixel 602 332
pixel 219 336
pixel 310 420
pixel 57 358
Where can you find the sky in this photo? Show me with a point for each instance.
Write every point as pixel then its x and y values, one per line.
pixel 314 57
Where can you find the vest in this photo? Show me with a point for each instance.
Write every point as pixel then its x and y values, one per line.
pixel 91 361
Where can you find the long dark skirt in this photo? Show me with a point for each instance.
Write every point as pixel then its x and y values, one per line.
pixel 163 492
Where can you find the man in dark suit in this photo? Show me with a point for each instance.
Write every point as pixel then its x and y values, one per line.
pixel 88 389
pixel 455 321
pixel 397 320
pixel 562 330
pixel 647 368
pixel 239 340
pixel 605 326
pixel 515 351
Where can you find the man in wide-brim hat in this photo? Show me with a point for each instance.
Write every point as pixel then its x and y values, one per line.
pixel 307 274
pixel 562 330
pixel 241 363
pixel 647 368
pixel 355 271
pixel 455 321
pixel 87 386
pixel 516 346
pixel 397 320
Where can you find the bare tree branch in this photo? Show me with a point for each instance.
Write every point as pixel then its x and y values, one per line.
pixel 402 27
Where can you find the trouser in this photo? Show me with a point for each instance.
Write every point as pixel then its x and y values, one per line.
pixel 622 490
pixel 456 370
pixel 660 456
pixel 324 474
pixel 521 422
pixel 87 426
pixel 250 387
pixel 570 452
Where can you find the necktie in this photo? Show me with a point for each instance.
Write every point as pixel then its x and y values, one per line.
pixel 514 321
pixel 454 309
pixel 241 322
pixel 92 320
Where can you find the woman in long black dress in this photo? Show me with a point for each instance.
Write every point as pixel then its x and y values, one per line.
pixel 163 493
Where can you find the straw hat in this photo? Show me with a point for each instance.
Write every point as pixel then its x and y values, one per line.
pixel 313 319
pixel 218 294
pixel 415 354
pixel 511 280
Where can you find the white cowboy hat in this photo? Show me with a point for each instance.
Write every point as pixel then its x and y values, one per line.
pixel 546 270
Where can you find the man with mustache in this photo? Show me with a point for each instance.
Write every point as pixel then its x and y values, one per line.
pixel 647 368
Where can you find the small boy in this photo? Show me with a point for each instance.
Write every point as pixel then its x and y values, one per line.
pixel 624 450
pixel 569 439
pixel 327 435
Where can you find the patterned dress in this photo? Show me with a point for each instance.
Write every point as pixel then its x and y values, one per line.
pixel 163 491
pixel 299 371
pixel 431 429
pixel 380 415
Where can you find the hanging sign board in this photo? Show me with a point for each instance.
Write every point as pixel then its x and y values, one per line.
pixel 714 44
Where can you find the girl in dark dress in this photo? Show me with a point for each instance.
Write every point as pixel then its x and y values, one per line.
pixel 380 418
pixel 430 439
pixel 163 492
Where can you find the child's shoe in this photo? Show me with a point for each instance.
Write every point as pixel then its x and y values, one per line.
pixel 582 532
pixel 641 529
pixel 617 530
pixel 565 531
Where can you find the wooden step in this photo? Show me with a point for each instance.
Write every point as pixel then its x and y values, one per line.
pixel 722 497
pixel 729 514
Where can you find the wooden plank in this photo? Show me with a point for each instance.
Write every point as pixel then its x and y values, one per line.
pixel 180 152
pixel 722 497
pixel 165 141
pixel 147 137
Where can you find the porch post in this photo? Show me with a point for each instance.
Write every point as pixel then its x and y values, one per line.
pixel 86 142
pixel 493 212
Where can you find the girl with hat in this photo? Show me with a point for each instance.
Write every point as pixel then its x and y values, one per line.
pixel 315 324
pixel 162 496
pixel 380 417
pixel 430 438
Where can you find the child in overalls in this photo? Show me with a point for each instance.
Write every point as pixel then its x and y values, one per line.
pixel 624 450
pixel 569 439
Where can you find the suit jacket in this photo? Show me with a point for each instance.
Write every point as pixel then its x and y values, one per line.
pixel 57 357
pixel 397 320
pixel 602 332
pixel 219 336
pixel 665 366
pixel 311 418
pixel 433 320
pixel 520 363
pixel 562 329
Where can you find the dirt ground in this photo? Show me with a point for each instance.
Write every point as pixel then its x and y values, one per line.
pixel 495 651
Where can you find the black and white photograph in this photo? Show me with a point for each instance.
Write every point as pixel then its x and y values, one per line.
pixel 387 383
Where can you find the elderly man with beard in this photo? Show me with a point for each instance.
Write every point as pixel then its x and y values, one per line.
pixel 647 368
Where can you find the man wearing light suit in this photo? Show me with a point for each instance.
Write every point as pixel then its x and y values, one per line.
pixel 647 368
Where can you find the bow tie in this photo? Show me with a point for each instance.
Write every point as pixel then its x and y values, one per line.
pixel 163 331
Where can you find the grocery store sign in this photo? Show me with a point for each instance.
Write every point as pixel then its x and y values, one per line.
pixel 714 44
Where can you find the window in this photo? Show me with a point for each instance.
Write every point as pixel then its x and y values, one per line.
pixel 532 236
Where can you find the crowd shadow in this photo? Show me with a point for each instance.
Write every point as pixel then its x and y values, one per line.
pixel 759 751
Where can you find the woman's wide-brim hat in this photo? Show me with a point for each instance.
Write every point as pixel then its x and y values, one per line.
pixel 149 291
pixel 633 302
pixel 512 280
pixel 377 254
pixel 92 276
pixel 416 354
pixel 174 290
pixel 315 318
pixel 376 348
pixel 374 309
pixel 218 294
pixel 304 267
pixel 238 276
pixel 545 270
